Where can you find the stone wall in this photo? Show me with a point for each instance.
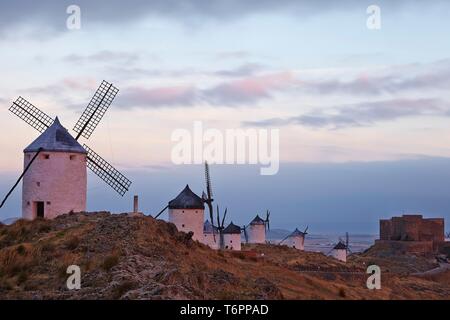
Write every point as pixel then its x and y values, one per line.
pixel 413 228
pixel 256 233
pixel 188 220
pixel 58 179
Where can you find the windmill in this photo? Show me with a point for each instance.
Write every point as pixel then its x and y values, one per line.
pixel 295 233
pixel 341 249
pixel 341 243
pixel 207 198
pixel 84 127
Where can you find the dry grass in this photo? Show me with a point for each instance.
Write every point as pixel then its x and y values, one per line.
pixel 118 253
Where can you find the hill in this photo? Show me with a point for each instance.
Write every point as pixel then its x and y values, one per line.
pixel 124 257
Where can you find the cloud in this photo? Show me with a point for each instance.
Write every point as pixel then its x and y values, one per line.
pixel 362 114
pixel 102 57
pixel 249 90
pixel 244 70
pixel 51 15
pixel 385 81
pixel 157 97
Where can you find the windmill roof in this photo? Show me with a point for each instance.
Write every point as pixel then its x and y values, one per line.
pixel 232 229
pixel 297 233
pixel 257 220
pixel 55 138
pixel 208 227
pixel 340 246
pixel 187 200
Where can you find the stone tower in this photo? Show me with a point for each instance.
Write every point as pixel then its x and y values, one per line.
pixel 257 230
pixel 232 237
pixel 340 252
pixel 186 211
pixel 211 236
pixel 296 240
pixel 56 182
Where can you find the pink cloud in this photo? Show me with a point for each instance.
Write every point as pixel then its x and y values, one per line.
pixel 159 97
pixel 250 89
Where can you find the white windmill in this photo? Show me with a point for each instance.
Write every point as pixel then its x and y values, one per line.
pixel 54 175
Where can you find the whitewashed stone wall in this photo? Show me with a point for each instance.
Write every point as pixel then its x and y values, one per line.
pixel 340 254
pixel 296 242
pixel 188 220
pixel 256 233
pixel 232 241
pixel 59 181
pixel 208 239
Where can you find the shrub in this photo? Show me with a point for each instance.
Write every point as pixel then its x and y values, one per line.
pixel 47 246
pixel 123 288
pixel 44 228
pixel 21 250
pixel 23 277
pixel 72 243
pixel 110 261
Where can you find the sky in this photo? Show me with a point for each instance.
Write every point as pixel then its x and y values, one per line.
pixel 363 114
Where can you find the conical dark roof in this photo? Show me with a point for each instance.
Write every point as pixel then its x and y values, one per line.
pixel 340 246
pixel 187 200
pixel 55 139
pixel 297 233
pixel 208 227
pixel 257 220
pixel 232 229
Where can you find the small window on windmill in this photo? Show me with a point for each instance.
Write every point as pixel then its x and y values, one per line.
pixel 72 157
pixel 231 241
pixel 46 156
pixel 38 184
pixel 49 203
pixel 28 203
pixel 182 225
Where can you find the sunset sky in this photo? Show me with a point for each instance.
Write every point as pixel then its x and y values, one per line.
pixel 364 115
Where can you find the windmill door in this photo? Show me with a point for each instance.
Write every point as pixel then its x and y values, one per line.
pixel 39 209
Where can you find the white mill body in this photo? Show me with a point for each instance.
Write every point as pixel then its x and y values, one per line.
pixel 56 182
pixel 186 211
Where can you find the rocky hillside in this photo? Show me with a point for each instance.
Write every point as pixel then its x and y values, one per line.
pixel 125 257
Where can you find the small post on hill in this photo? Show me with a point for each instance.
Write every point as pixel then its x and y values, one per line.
pixel 136 204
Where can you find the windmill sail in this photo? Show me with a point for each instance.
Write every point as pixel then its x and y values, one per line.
pixel 21 176
pixel 95 110
pixel 107 172
pixel 31 115
pixel 208 200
